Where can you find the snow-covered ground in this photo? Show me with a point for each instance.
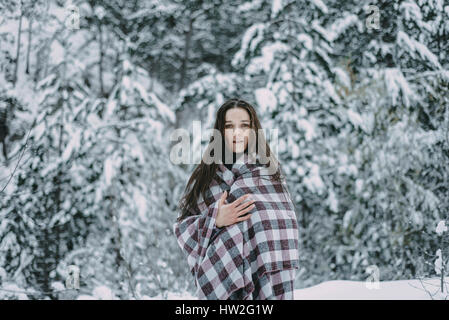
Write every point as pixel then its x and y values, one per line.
pixel 387 290
pixel 415 289
pixel 424 289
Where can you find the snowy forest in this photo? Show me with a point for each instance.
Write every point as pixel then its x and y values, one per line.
pixel 90 92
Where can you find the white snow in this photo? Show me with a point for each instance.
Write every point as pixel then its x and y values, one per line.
pixel 172 296
pixel 342 77
pixel 110 107
pixel 58 286
pixel 358 185
pixel 163 109
pixel 109 170
pixel 331 91
pixel 414 289
pixel 264 61
pixel 417 47
pixel 332 201
pixel 438 262
pixel 141 204
pixel 395 84
pixel 294 148
pixel 38 130
pixel 85 297
pixel 441 227
pixel 411 11
pixel 350 170
pixel 355 118
pixel 340 25
pixel 347 218
pixel 308 126
pixel 358 290
pixel 313 181
pixel 276 6
pixel 249 5
pixel 103 293
pixel 135 148
pixel 300 171
pixel 417 217
pixel 56 53
pixel 252 37
pixel 265 99
pixel 306 40
pixel 320 5
pixel 74 142
pixel 12 289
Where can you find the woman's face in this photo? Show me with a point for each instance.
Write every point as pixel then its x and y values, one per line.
pixel 237 129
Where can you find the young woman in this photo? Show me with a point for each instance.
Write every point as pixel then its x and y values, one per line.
pixel 237 225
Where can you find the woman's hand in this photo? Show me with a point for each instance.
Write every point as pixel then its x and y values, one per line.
pixel 230 213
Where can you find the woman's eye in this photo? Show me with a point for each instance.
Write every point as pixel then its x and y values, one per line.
pixel 229 126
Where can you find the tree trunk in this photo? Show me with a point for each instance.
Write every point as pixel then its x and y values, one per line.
pixel 186 55
pixel 18 49
pixel 100 67
pixel 29 46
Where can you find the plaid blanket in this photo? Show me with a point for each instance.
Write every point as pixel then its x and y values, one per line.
pixel 223 260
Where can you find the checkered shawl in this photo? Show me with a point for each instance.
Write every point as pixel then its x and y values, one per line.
pixel 223 260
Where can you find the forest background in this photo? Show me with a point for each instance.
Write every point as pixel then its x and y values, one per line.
pixel 90 92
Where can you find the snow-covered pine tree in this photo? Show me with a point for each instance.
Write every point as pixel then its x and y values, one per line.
pixel 395 98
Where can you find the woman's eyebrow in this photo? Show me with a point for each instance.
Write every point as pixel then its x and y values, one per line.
pixel 240 121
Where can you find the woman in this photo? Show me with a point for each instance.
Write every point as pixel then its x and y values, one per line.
pixel 237 225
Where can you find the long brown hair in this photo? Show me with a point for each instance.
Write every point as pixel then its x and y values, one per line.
pixel 204 173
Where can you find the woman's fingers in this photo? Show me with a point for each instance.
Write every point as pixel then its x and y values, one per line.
pixel 244 205
pixel 223 198
pixel 246 210
pixel 240 200
pixel 244 218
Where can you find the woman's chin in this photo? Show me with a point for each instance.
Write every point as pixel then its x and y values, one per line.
pixel 238 149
